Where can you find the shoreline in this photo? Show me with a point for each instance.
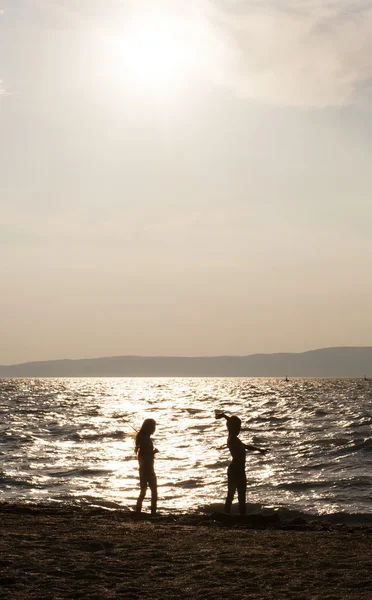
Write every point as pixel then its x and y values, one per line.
pixel 70 552
pixel 260 516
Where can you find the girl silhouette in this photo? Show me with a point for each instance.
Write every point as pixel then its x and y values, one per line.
pixel 145 451
pixel 236 478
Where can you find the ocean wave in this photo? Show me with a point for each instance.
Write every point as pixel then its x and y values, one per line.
pixel 190 483
pixel 287 514
pixel 321 413
pixel 91 437
pixel 356 482
pixel 200 427
pixel 315 429
pixel 356 445
pixel 350 482
pixel 366 422
pixel 335 518
pixel 365 444
pixel 82 472
pixel 16 439
pixel 15 481
pixel 303 485
pixel 329 441
pixel 315 467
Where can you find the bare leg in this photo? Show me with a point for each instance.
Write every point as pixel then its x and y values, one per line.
pixel 231 488
pixel 242 488
pixel 228 503
pixel 154 502
pixel 154 493
pixel 140 500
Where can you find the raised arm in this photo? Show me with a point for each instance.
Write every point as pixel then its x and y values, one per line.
pixel 219 414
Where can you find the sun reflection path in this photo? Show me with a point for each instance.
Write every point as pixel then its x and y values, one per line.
pixel 192 459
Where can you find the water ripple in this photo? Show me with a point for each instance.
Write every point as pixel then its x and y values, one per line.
pixel 73 440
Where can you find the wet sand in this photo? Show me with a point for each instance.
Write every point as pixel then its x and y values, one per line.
pixel 77 553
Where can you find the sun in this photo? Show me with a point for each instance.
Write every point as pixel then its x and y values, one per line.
pixel 155 54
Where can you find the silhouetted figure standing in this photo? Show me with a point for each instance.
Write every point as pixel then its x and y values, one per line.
pixel 236 478
pixel 145 451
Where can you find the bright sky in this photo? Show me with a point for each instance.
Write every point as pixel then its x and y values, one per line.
pixel 184 177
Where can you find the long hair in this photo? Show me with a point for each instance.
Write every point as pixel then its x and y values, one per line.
pixel 148 427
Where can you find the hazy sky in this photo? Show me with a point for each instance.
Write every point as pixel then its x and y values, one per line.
pixel 184 177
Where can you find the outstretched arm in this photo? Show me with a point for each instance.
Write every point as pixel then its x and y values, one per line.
pixel 255 448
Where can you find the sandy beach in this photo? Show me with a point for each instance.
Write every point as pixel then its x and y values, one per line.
pixel 75 553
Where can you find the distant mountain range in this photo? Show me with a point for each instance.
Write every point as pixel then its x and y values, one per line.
pixel 326 362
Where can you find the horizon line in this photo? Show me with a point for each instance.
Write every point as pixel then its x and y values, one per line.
pixel 159 356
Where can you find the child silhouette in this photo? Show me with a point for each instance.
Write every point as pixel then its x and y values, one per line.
pixel 145 451
pixel 236 478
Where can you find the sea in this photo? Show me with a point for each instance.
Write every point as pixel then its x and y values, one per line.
pixel 71 442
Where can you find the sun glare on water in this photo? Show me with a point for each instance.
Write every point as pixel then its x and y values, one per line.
pixel 155 54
